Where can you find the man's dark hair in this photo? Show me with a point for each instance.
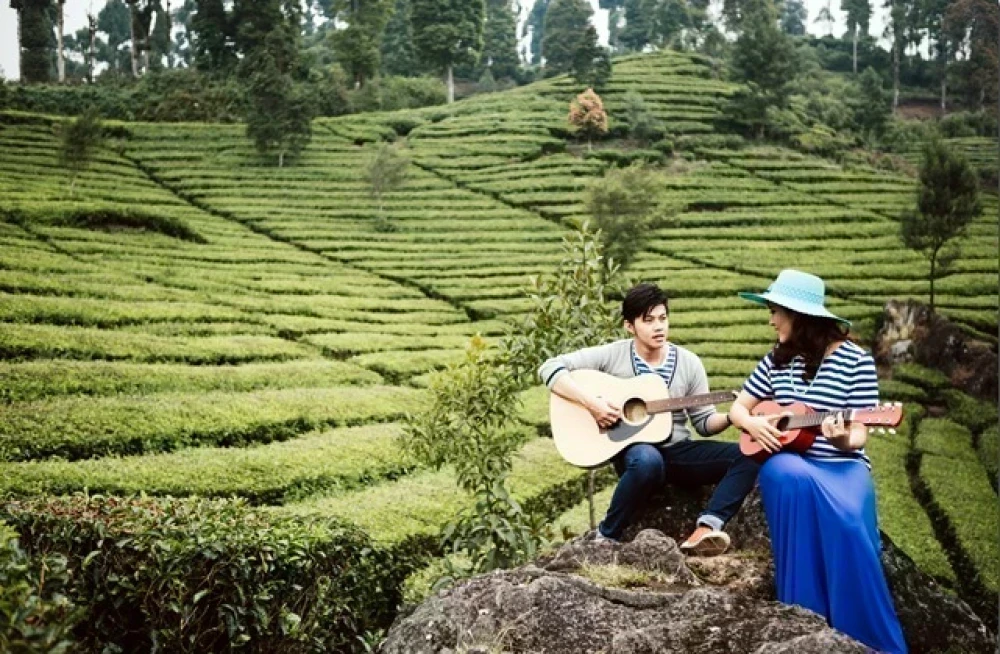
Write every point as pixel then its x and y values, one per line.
pixel 641 299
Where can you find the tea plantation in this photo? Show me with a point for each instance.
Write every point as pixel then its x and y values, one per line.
pixel 187 322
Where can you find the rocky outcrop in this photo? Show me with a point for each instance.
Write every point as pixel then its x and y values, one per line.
pixel 644 595
pixel 910 332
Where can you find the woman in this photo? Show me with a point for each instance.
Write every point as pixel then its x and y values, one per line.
pixel 820 505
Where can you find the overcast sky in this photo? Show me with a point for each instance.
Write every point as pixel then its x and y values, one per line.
pixel 76 17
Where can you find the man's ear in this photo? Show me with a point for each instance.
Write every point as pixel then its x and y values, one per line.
pixel 629 327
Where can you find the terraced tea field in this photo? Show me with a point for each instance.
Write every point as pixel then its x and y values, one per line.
pixel 254 335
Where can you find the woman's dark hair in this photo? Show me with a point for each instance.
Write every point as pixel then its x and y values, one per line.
pixel 641 299
pixel 810 338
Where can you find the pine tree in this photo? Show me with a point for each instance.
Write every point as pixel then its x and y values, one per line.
pixel 447 33
pixel 793 17
pixel 213 36
pixel 569 37
pixel 500 40
pixel 859 14
pixel 35 34
pixel 357 43
pixel 398 56
pixel 764 59
pixel 947 201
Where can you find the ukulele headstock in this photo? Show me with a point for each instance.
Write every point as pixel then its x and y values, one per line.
pixel 882 416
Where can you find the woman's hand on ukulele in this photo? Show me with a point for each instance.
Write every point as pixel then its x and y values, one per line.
pixel 605 413
pixel 763 430
pixel 836 431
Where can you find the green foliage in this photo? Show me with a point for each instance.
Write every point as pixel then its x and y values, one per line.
pixel 279 111
pixel 947 201
pixel 78 140
pixel 570 308
pixel 35 614
pixel 569 44
pixel 793 17
pixel 199 575
pixel 974 414
pixel 627 205
pixel 447 33
pixel 397 53
pixel 872 104
pixel 763 58
pixel 468 427
pixel 36 39
pixel 356 44
pixel 643 125
pixel 500 40
pixel 386 171
pixel 98 216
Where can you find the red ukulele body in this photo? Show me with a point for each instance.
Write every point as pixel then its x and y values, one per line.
pixel 799 429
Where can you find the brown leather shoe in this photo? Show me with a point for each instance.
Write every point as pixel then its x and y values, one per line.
pixel 706 541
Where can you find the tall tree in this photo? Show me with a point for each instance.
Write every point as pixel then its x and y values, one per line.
pixel 114 21
pixel 356 44
pixel 825 15
pixel 793 17
pixel 60 54
pixel 78 140
pixel 638 30
pixel 142 13
pixel 896 30
pixel 212 37
pixel 280 109
pixel 947 201
pixel 978 23
pixel 447 33
pixel 536 26
pixel 764 59
pixel 500 39
pixel 35 39
pixel 941 43
pixel 859 14
pixel 398 57
pixel 872 106
pixel 568 35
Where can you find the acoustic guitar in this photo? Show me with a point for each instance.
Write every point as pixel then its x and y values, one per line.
pixel 646 416
pixel 799 430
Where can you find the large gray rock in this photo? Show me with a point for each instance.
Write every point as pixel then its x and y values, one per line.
pixel 643 595
pixel 558 609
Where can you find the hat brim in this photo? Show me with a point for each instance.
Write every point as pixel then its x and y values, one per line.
pixel 794 304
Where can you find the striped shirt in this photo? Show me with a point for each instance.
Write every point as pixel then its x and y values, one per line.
pixel 665 370
pixel 846 379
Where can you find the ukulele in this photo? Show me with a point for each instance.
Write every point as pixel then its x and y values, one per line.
pixel 646 416
pixel 799 430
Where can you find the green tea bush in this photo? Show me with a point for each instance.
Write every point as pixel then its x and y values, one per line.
pixel 970 412
pixel 210 575
pixel 35 613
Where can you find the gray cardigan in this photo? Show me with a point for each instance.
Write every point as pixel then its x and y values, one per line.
pixel 616 359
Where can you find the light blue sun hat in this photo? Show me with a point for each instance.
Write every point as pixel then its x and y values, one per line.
pixel 798 291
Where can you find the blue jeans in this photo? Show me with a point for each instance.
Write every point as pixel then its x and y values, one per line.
pixel 643 469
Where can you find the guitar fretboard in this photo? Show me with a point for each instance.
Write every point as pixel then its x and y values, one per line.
pixel 662 406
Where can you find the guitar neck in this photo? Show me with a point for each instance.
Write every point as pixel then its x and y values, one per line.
pixel 662 406
pixel 816 419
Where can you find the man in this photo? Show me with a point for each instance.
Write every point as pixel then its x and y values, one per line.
pixel 644 468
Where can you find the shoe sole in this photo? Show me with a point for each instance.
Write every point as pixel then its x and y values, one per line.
pixel 708 545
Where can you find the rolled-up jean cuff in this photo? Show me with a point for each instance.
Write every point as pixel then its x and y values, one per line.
pixel 712 521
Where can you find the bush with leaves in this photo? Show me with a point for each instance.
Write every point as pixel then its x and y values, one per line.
pixel 78 140
pixel 626 205
pixel 192 575
pixel 947 201
pixel 35 613
pixel 587 116
pixel 470 423
pixel 643 125
pixel 386 171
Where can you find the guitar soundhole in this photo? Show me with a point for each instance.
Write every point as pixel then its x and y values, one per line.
pixel 782 423
pixel 634 412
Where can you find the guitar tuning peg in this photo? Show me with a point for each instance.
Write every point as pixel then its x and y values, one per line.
pixel 881 430
pixel 892 431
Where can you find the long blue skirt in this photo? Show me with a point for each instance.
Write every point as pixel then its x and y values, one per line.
pixel 824 536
